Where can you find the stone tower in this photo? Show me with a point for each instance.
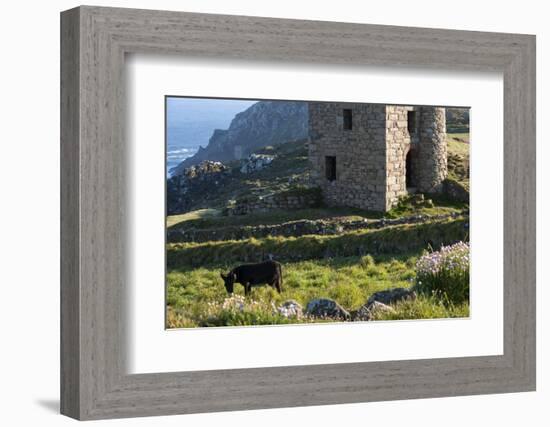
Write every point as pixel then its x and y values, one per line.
pixel 369 155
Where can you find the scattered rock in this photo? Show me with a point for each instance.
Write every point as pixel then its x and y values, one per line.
pixel 368 311
pixel 324 307
pixel 197 179
pixel 391 296
pixel 378 307
pixel 290 308
pixel 361 315
pixel 256 162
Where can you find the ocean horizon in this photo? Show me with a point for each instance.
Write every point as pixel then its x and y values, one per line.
pixel 190 122
pixel 177 155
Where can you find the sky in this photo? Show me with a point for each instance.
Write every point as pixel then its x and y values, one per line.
pixel 194 110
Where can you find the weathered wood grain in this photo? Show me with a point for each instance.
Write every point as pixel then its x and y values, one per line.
pixel 70 220
pixel 94 382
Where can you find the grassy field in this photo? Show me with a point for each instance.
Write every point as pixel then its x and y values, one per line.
pixel 191 217
pixel 195 296
pixel 338 267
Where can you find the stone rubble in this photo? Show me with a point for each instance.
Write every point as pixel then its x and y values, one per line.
pixel 256 162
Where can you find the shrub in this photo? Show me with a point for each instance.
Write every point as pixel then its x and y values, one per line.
pixel 445 273
pixel 367 261
pixel 239 311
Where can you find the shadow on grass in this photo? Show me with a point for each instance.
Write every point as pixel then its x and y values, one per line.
pixel 335 263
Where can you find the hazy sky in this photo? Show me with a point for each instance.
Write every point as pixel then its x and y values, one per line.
pixel 194 110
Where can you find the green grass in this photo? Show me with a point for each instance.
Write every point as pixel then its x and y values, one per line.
pixel 458 143
pixel 389 240
pixel 211 218
pixel 347 280
pixel 264 218
pixel 195 296
pixel 424 307
pixel 440 206
pixel 458 157
pixel 189 217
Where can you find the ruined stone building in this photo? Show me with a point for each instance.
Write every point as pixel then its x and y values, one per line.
pixel 369 155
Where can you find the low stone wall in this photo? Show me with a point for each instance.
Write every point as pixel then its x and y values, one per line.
pixel 297 228
pixel 388 240
pixel 292 199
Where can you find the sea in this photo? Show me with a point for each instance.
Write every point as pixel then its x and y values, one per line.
pixel 180 145
pixel 190 122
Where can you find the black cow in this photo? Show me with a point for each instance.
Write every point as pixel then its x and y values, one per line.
pixel 248 275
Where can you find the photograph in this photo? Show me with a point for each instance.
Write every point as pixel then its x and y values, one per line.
pixel 293 212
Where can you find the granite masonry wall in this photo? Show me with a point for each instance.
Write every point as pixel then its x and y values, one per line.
pixel 432 153
pixel 398 145
pixel 360 153
pixel 372 157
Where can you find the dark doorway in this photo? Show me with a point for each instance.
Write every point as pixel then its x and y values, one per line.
pixel 410 183
pixel 330 168
pixel 411 122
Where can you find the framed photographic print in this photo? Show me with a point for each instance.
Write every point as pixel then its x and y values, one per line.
pixel 262 213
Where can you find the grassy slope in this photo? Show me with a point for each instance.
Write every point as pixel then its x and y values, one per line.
pixel 190 217
pixel 458 157
pixel 389 240
pixel 289 167
pixel 212 218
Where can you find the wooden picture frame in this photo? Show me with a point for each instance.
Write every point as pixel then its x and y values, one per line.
pixel 94 41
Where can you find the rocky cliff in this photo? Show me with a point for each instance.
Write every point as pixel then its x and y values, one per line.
pixel 264 123
pixel 195 185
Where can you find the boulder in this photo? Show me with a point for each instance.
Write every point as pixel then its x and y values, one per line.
pixel 456 191
pixel 391 296
pixel 326 308
pixel 361 315
pixel 367 311
pixel 290 308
